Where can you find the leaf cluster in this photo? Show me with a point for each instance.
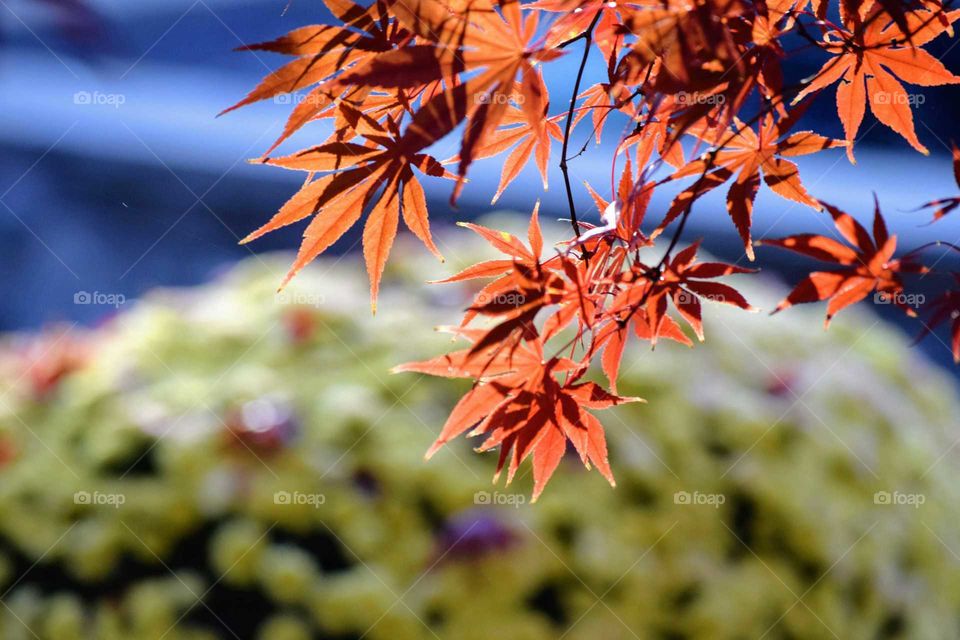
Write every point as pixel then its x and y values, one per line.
pixel 702 86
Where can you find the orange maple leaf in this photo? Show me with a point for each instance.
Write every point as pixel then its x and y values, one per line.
pixel 525 411
pixel 337 200
pixel 868 61
pixel 751 155
pixel 866 265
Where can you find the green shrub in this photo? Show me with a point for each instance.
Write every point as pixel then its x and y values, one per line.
pixel 247 467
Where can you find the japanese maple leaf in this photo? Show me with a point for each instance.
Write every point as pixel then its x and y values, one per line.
pixel 706 48
pixel 943 206
pixel 622 216
pixel 496 49
pixel 527 412
pixel 865 265
pixel 523 286
pixel 354 174
pixel 695 49
pixel 946 308
pixel 868 62
pixel 644 298
pixel 321 52
pixel 528 141
pixel 576 16
pixel 532 142
pixel 507 244
pixel 766 53
pixel 613 337
pixel 750 155
pixel 600 101
pixel 682 281
pixel 657 129
pixel 855 11
pixel 780 8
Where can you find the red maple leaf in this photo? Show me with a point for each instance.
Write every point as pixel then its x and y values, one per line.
pixel 523 409
pixel 866 265
pixel 868 60
pixel 353 175
pixel 750 155
pixel 682 281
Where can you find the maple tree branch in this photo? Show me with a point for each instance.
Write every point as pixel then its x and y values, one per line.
pixel 587 35
pixel 930 245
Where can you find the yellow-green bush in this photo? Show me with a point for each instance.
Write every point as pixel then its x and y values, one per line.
pixel 229 463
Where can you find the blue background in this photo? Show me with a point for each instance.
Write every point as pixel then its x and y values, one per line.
pixel 120 198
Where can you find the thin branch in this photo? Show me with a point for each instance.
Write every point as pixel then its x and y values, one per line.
pixel 568 127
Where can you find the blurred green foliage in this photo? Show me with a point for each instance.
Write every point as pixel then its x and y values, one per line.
pixel 222 462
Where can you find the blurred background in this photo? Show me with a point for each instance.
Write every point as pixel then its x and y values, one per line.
pixel 116 176
pixel 189 467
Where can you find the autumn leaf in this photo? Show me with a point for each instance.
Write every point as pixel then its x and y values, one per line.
pixel 865 265
pixel 321 51
pixel 684 282
pixel 622 216
pixel 868 61
pixel 497 50
pixel 527 413
pixel 338 199
pixel 524 286
pixel 528 142
pixel 694 49
pixel 750 155
pixel 576 16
